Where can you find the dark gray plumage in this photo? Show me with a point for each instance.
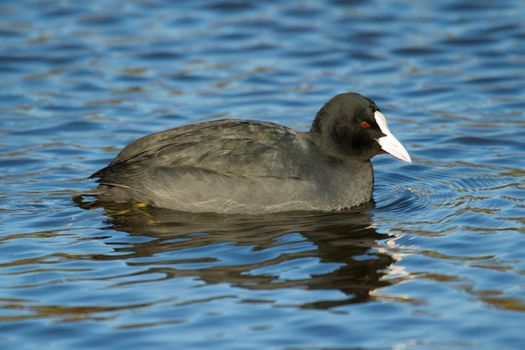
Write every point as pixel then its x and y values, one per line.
pixel 242 166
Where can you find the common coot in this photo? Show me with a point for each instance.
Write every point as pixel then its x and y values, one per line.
pixel 254 167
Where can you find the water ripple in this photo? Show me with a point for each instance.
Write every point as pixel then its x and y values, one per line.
pixel 440 243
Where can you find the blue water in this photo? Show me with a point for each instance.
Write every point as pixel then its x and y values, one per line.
pixel 438 263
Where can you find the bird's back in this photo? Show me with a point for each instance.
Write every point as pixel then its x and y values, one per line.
pixel 230 147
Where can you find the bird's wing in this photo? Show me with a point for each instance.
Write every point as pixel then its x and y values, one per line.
pixel 229 147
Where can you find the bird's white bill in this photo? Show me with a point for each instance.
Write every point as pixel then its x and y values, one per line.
pixel 389 143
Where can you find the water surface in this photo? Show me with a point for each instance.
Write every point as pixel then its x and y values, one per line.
pixel 437 263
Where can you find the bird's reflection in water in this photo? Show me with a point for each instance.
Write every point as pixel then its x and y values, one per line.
pixel 253 249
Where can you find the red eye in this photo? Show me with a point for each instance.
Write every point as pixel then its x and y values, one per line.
pixel 365 124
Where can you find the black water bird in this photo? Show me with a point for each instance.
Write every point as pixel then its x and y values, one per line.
pixel 252 167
